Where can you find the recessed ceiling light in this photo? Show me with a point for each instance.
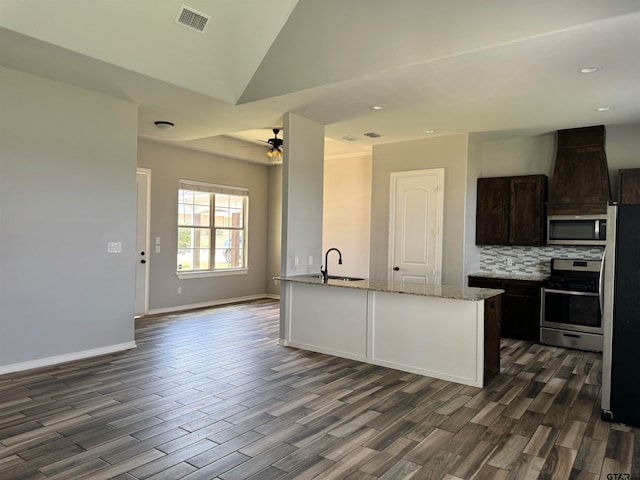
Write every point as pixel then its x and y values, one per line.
pixel 378 107
pixel 164 125
pixel 603 109
pixel 592 69
pixel 350 138
pixel 430 131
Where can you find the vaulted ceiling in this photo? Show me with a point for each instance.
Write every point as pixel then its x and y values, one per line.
pixel 496 67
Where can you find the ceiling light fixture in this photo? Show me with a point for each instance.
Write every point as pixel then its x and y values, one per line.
pixel 275 153
pixel 430 131
pixel 276 145
pixel 587 70
pixel 164 125
pixel 378 107
pixel 604 109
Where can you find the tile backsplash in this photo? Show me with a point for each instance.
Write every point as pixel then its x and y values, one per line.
pixel 530 260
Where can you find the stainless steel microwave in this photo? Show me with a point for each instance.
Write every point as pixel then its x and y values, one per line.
pixel 576 229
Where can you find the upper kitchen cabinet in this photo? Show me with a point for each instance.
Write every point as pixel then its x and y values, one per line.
pixel 629 185
pixel 580 182
pixel 510 210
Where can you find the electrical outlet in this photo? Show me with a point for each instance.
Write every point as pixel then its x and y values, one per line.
pixel 310 259
pixel 296 261
pixel 179 290
pixel 509 262
pixel 114 247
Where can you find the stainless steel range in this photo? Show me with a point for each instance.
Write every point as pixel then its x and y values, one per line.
pixel 571 313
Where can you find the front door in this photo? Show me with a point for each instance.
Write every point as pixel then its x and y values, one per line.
pixel 415 239
pixel 142 241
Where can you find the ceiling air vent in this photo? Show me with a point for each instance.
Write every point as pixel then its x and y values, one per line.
pixel 372 135
pixel 190 18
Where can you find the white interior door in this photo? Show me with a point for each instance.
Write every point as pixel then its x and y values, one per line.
pixel 143 177
pixel 415 237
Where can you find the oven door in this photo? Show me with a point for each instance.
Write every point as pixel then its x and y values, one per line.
pixel 573 311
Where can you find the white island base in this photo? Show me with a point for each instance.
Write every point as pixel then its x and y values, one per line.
pixel 435 336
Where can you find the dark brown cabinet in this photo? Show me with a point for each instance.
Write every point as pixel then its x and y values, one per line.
pixel 629 185
pixel 510 210
pixel 520 309
pixel 492 318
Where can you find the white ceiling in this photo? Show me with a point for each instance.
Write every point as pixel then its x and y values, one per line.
pixel 501 68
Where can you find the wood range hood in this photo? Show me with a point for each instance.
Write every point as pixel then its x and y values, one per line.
pixel 580 182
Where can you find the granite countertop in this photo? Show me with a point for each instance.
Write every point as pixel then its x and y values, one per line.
pixel 440 291
pixel 511 276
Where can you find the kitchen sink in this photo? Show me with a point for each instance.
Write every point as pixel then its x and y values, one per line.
pixel 337 277
pixel 345 279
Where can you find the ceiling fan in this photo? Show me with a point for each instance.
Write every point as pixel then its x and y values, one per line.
pixel 276 145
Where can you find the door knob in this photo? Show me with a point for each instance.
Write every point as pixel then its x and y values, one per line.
pixel 396 268
pixel 143 261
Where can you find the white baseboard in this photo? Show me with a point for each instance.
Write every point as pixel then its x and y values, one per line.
pixel 213 303
pixel 67 357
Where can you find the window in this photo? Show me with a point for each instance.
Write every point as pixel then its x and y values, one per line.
pixel 212 228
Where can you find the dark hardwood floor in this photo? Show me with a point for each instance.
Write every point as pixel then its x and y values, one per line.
pixel 209 394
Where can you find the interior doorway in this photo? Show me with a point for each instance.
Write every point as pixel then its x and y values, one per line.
pixel 415 226
pixel 143 189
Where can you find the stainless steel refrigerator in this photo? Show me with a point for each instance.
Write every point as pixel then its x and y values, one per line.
pixel 621 317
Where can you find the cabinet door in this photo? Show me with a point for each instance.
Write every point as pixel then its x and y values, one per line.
pixel 520 318
pixel 630 185
pixel 526 210
pixel 492 214
pixel 492 318
pixel 520 315
pixel 521 310
pixel 580 174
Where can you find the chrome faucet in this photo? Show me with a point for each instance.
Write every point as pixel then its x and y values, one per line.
pixel 325 272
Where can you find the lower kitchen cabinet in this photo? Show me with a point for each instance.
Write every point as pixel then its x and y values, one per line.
pixel 520 312
pixel 492 318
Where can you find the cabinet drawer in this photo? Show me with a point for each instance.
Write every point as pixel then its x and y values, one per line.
pixel 525 288
pixel 483 282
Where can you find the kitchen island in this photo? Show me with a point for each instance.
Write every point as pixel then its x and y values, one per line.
pixel 441 331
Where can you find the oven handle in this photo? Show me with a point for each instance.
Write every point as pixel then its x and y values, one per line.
pixel 601 283
pixel 569 292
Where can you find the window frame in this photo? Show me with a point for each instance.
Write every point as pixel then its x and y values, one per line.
pixel 213 190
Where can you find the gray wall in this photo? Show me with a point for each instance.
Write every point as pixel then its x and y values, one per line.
pixel 168 164
pixel 274 241
pixel 67 188
pixel 474 168
pixel 302 195
pixel 302 177
pixel 448 152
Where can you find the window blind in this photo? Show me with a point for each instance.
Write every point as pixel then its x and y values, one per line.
pixel 212 188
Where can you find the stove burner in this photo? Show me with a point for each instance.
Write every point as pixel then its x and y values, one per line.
pixel 574 275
